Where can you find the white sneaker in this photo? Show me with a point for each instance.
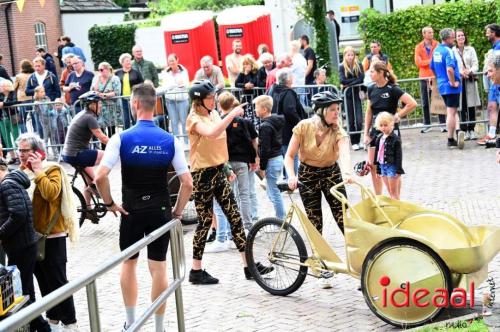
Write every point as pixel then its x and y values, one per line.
pixel 55 327
pixel 361 145
pixel 217 246
pixel 466 136
pixel 473 135
pixel 324 283
pixel 69 328
pixel 355 147
pixel 263 183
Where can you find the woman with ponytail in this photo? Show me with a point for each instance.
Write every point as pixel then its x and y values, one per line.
pixel 383 96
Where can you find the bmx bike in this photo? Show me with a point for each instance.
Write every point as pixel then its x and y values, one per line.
pixel 384 238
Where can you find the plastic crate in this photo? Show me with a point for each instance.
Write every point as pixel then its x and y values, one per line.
pixel 6 293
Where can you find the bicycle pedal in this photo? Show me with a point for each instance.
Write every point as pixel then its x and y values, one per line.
pixel 326 274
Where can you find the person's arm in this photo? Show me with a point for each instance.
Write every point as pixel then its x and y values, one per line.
pixel 214 132
pixel 265 138
pixel 368 123
pixel 310 65
pixel 293 148
pixel 419 61
pixel 30 87
pixel 450 71
pixel 475 62
pixel 344 80
pixel 366 64
pixel 18 215
pixel 344 146
pixel 398 156
pixel 240 81
pixel 232 66
pixel 109 160
pixel 410 105
pixel 290 109
pixel 220 79
pixel 498 156
pixel 154 75
pixel 49 184
pixel 186 181
pixel 100 135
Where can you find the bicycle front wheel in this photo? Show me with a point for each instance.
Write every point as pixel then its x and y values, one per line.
pixel 276 268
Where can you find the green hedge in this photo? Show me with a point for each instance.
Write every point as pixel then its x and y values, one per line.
pixel 108 42
pixel 400 31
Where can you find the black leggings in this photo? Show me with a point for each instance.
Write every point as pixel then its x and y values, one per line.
pixel 319 180
pixel 210 183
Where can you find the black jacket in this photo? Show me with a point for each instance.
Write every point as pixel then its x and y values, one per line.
pixel 8 101
pixel 286 102
pixel 16 213
pixel 393 152
pixel 240 134
pixel 50 84
pixel 350 80
pixel 134 77
pixel 243 79
pixel 270 138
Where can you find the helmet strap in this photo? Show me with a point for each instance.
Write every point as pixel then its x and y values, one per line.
pixel 203 105
pixel 321 115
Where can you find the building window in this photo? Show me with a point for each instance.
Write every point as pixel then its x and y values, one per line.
pixel 40 37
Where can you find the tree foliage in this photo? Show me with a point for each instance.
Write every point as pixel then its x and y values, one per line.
pixel 109 42
pixel 165 7
pixel 400 32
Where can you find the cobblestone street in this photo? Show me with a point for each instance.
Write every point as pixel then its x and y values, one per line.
pixel 464 183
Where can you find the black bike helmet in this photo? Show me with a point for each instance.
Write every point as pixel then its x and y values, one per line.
pixel 89 97
pixel 325 99
pixel 201 89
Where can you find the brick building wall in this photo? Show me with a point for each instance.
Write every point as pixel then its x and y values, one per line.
pixel 23 30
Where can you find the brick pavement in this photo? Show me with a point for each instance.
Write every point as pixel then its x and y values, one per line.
pixel 463 183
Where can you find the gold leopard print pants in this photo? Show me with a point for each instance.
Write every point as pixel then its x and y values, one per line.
pixel 212 183
pixel 319 180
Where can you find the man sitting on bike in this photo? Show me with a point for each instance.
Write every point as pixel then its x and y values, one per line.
pixel 84 125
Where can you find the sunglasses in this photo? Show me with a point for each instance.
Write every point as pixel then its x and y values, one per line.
pixel 102 69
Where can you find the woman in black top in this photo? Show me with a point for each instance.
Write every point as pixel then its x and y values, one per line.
pixel 248 80
pixel 351 75
pixel 383 96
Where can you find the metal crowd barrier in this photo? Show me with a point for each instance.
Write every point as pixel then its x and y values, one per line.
pixel 419 89
pixel 25 315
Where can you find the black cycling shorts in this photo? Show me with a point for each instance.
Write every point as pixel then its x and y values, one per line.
pixel 136 225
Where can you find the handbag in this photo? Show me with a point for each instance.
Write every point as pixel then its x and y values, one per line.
pixel 40 254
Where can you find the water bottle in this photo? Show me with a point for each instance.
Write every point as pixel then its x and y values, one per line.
pixel 16 281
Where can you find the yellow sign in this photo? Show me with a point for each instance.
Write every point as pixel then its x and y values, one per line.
pixel 20 5
pixel 348 9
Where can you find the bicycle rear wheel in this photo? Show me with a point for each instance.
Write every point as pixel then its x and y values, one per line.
pixel 81 206
pixel 282 274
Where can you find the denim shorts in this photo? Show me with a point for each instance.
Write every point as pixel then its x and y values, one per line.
pixel 83 158
pixel 388 170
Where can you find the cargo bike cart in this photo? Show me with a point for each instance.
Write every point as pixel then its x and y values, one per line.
pixel 390 245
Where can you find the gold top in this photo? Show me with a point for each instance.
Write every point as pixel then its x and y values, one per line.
pixel 205 152
pixel 326 154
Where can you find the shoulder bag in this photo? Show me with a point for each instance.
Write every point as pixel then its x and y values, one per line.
pixel 40 255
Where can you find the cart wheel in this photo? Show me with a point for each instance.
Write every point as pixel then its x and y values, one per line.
pixel 275 276
pixel 389 267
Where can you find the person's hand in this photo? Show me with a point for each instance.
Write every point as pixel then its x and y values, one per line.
pixel 35 159
pixel 249 85
pixel 396 118
pixel 262 173
pixel 292 182
pixel 454 84
pixel 366 140
pixel 117 208
pixel 254 166
pixel 237 111
pixel 231 177
pixel 498 156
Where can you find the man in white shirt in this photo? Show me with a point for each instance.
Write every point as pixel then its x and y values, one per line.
pixel 234 62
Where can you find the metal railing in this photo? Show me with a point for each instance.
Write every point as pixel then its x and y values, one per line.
pixel 88 281
pixel 355 108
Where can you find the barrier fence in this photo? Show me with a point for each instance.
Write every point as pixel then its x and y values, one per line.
pixel 51 119
pixel 89 280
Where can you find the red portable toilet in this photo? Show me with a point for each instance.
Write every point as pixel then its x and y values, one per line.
pixel 250 24
pixel 190 35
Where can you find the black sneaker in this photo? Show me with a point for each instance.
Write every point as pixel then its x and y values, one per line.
pixel 211 237
pixel 201 277
pixel 261 268
pixel 452 143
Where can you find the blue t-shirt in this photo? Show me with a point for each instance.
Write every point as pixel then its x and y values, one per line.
pixel 84 81
pixel 442 58
pixel 496 46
